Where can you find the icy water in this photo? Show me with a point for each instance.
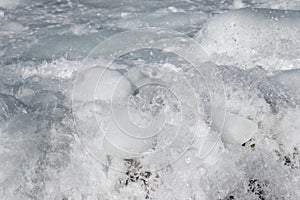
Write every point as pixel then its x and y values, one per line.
pixel 172 100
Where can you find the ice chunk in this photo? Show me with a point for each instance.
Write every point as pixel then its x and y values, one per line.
pixel 99 83
pixel 118 143
pixel 235 129
pixel 250 37
pixel 238 4
pixel 112 88
pixel 12 27
pixel 103 134
pixel 1 14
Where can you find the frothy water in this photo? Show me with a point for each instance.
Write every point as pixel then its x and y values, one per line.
pixel 149 99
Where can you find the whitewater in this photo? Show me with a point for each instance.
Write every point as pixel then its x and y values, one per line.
pixel 158 100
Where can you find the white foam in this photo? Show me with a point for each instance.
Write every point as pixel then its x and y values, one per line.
pixel 290 79
pixel 250 37
pixel 9 4
pixel 287 129
pixel 28 166
pixel 277 4
pixel 165 18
